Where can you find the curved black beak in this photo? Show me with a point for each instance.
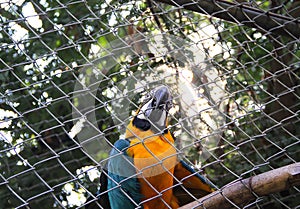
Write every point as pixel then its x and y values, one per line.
pixel 162 98
pixel 155 109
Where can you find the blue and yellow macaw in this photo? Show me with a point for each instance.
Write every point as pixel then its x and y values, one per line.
pixel 143 169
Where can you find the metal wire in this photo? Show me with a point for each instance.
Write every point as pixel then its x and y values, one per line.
pixel 73 74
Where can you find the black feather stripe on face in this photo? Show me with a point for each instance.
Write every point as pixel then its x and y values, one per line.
pixel 142 124
pixel 154 111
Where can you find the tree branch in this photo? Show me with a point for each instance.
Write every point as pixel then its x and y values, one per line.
pixel 242 14
pixel 243 191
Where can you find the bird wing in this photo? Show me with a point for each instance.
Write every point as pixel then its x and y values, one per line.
pixel 101 194
pixel 193 184
pixel 123 185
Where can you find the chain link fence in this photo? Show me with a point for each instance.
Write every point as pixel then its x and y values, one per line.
pixel 73 73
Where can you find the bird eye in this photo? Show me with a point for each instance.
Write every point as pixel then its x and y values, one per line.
pixel 154 102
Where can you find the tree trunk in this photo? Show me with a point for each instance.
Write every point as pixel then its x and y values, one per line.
pixel 284 100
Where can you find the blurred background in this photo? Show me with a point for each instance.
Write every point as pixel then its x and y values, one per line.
pixel 73 72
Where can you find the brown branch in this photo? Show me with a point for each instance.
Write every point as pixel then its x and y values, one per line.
pixel 242 14
pixel 243 191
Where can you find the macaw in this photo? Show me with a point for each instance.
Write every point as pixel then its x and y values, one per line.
pixel 144 170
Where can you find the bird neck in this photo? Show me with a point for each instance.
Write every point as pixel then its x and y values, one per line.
pixel 132 131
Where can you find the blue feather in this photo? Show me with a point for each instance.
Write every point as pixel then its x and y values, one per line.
pixel 123 185
pixel 202 178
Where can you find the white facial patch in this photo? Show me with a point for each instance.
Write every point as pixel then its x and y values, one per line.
pixel 157 117
pixel 145 111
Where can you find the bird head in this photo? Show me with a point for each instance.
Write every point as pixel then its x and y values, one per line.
pixel 154 110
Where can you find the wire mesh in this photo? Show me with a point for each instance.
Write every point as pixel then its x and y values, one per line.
pixel 74 72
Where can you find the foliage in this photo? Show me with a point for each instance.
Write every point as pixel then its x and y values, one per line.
pixel 41 64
